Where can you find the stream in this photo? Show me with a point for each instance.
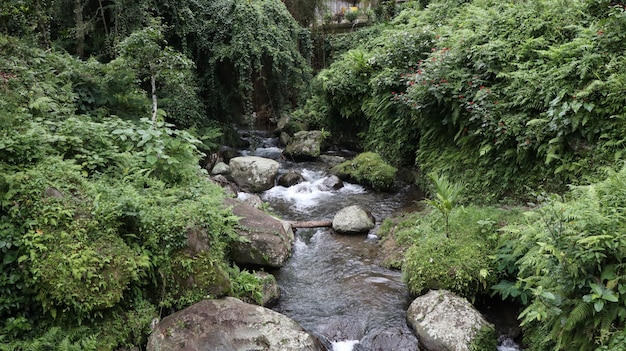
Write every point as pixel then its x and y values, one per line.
pixel 332 285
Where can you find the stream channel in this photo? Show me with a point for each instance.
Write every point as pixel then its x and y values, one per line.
pixel 332 285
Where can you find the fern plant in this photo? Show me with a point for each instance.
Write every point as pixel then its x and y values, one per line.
pixel 570 259
pixel 446 196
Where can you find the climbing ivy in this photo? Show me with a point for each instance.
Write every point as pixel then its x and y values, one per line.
pixel 251 56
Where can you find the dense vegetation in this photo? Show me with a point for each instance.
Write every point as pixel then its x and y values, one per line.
pixel 100 182
pixel 505 96
pixel 107 111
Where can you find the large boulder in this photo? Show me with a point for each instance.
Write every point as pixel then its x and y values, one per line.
pixel 353 220
pixel 446 322
pixel 254 173
pixel 305 145
pixel 229 325
pixel 267 240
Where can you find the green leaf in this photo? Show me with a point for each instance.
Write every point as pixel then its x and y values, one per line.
pixel 151 159
pixel 598 305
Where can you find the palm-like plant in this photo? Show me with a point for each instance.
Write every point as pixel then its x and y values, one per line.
pixel 446 196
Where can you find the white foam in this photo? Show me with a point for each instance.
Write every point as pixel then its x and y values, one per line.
pixel 508 345
pixel 346 345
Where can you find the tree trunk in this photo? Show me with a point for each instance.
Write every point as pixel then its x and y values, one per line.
pixel 80 28
pixel 154 98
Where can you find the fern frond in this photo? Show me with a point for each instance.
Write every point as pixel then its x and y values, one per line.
pixel 581 312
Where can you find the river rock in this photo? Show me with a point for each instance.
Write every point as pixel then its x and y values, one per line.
pixel 271 290
pixel 332 182
pixel 254 173
pixel 267 241
pixel 220 168
pixel 444 321
pixel 353 219
pixel 227 153
pixel 305 145
pixel 290 178
pixel 251 199
pixel 391 339
pixel 332 160
pixel 229 325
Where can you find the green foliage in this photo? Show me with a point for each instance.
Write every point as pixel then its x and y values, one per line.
pixel 568 258
pixel 485 339
pixel 501 95
pixel 462 263
pixel 250 55
pixel 96 212
pixel 369 169
pixel 146 52
pixel 247 287
pixel 446 197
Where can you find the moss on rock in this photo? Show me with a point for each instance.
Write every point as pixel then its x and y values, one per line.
pixel 368 169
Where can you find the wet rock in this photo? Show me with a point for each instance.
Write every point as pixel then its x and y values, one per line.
pixel 268 240
pixel 290 178
pixel 227 185
pixel 332 182
pixel 391 339
pixel 352 220
pixel 271 290
pixel 251 199
pixel 445 322
pixel 227 153
pixel 332 160
pixel 305 145
pixel 254 173
pixel 229 325
pixel 220 168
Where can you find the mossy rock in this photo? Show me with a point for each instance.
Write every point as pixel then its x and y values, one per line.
pixel 82 274
pixel 191 278
pixel 367 169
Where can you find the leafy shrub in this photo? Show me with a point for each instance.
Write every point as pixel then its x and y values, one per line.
pixel 500 95
pixel 568 259
pixel 368 169
pixel 461 263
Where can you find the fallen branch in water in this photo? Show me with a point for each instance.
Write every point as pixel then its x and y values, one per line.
pixel 311 224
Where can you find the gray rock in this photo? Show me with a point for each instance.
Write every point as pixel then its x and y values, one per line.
pixel 251 199
pixel 229 325
pixel 332 160
pixel 220 168
pixel 332 182
pixel 227 153
pixel 305 145
pixel 444 321
pixel 290 178
pixel 353 219
pixel 254 173
pixel 268 241
pixel 271 290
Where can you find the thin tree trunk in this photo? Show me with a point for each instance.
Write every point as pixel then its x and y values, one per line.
pixel 154 99
pixel 104 20
pixel 80 28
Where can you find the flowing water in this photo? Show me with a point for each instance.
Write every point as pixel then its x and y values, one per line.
pixel 332 284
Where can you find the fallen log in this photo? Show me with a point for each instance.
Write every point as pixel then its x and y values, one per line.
pixel 311 224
